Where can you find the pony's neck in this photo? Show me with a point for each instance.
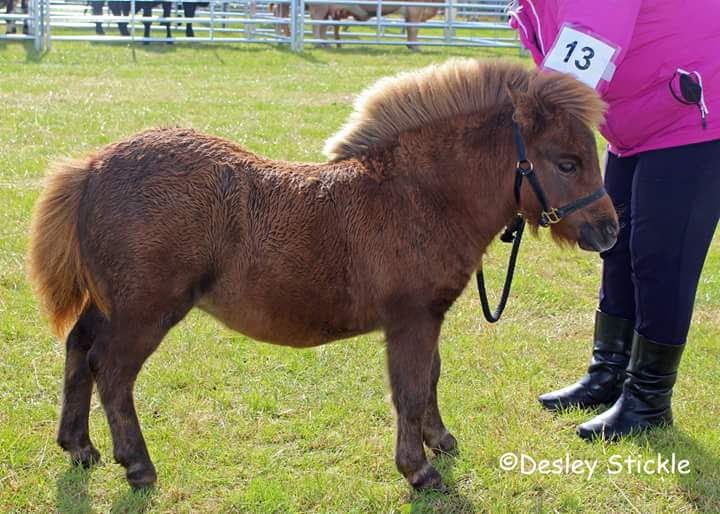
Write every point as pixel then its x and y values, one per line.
pixel 466 168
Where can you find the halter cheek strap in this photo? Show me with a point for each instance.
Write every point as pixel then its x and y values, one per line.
pixel 525 170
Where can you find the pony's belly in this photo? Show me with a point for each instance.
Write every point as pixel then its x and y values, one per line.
pixel 280 328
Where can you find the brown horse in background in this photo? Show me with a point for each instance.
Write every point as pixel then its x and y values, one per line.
pixel 384 236
pixel 339 11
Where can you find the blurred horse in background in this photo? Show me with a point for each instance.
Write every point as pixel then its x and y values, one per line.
pixel 365 13
pixel 122 8
pixel 10 24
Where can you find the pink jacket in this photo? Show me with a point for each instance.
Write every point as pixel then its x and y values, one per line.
pixel 633 52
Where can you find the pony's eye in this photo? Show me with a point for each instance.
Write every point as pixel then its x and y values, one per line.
pixel 566 166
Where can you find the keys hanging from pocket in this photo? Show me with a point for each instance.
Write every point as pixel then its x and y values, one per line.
pixel 691 91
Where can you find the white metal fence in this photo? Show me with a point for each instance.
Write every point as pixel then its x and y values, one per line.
pixel 292 22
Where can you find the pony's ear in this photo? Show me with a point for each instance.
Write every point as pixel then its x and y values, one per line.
pixel 528 112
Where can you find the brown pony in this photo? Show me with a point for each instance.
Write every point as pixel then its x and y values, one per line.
pixel 384 236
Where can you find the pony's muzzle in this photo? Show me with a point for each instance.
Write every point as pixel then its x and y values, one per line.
pixel 598 237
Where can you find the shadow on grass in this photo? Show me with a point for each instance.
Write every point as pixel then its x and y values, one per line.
pixel 73 498
pixel 449 501
pixel 72 491
pixel 31 55
pixel 133 501
pixel 701 487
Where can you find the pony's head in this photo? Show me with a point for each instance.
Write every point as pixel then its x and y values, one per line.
pixel 556 115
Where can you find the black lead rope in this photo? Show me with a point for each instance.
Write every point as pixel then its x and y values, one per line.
pixel 513 234
pixel 514 231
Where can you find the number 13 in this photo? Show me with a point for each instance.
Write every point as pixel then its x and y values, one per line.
pixel 589 53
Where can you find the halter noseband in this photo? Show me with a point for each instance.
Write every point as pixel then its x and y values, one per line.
pixel 525 169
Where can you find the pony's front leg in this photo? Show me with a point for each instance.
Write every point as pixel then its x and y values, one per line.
pixel 435 435
pixel 410 349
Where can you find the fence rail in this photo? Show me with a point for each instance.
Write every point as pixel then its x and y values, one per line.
pixel 287 22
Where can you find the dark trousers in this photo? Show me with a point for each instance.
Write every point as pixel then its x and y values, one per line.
pixel 668 202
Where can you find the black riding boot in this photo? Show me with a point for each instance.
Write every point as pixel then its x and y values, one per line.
pixel 645 399
pixel 603 382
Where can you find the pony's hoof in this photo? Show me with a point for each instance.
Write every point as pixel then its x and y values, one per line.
pixel 414 48
pixel 141 476
pixel 86 457
pixel 428 479
pixel 446 445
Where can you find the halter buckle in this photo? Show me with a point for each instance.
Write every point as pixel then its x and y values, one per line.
pixel 551 217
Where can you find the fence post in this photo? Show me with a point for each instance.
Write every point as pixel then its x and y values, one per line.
pixel 297 25
pixel 449 21
pixel 251 13
pixel 379 30
pixel 36 23
pixel 212 20
pixel 47 26
pixel 132 21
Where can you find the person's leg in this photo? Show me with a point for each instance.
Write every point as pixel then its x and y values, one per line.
pixel 672 231
pixel 614 319
pixel 97 10
pixel 675 212
pixel 617 292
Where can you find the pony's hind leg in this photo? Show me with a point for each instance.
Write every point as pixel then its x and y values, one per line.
pixel 435 435
pixel 410 350
pixel 73 434
pixel 115 361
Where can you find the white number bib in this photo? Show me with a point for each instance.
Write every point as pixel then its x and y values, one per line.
pixel 581 55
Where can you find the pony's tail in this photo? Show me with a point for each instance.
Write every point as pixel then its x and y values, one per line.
pixel 61 281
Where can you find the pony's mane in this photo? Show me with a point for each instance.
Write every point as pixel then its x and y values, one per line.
pixel 458 87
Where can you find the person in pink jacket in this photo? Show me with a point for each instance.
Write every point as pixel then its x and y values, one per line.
pixel 657 65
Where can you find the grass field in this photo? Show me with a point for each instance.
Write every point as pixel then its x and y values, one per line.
pixel 239 426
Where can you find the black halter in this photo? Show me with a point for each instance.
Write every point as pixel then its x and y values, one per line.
pixel 514 231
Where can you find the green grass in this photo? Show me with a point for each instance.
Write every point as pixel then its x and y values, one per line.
pixel 239 426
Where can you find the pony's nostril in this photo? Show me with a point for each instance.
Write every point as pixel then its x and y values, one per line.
pixel 598 237
pixel 610 230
